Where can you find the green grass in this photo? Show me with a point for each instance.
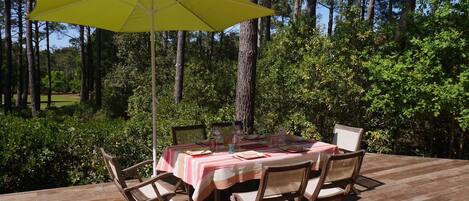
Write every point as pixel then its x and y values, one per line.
pixel 58 100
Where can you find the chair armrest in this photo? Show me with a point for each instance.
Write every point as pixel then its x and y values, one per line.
pixel 147 182
pixel 132 170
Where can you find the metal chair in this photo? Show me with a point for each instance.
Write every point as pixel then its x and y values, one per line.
pixel 338 175
pixel 279 183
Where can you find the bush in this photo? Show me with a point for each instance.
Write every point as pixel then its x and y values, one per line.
pixel 118 86
pixel 308 82
pixel 54 150
pixel 379 141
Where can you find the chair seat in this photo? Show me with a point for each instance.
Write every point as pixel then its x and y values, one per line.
pixel 248 196
pixel 324 193
pixel 147 192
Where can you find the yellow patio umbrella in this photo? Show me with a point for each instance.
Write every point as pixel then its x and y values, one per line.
pixel 150 16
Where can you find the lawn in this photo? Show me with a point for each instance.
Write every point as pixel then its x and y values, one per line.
pixel 58 100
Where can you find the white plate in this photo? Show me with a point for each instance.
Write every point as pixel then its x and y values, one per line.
pixel 198 152
pixel 250 154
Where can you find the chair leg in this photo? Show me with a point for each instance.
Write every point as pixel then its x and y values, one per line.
pixel 188 191
pixel 180 186
pixel 216 195
pixel 355 191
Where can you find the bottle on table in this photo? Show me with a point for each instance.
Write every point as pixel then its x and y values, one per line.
pixel 282 134
pixel 217 137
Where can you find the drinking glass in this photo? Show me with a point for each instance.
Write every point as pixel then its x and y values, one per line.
pixel 231 148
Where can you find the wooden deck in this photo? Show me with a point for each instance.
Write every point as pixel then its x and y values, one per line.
pixel 384 177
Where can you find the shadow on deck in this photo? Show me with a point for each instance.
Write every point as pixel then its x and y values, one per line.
pixel 384 177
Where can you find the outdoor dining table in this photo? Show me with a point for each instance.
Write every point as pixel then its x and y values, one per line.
pixel 221 170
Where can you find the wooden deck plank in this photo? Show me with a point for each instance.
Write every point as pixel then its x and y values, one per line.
pixel 392 178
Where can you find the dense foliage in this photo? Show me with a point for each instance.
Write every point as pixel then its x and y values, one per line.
pixel 61 149
pixel 410 94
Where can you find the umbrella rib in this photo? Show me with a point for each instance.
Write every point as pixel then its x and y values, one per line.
pixel 253 5
pixel 198 17
pixel 139 4
pixel 127 19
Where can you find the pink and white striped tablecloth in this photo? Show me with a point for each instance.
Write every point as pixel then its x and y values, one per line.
pixel 222 170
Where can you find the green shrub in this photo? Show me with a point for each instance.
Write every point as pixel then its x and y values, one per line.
pixel 61 150
pixel 118 87
pixel 58 82
pixel 379 141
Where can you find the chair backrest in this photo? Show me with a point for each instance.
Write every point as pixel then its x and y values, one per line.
pixel 347 138
pixel 227 128
pixel 114 169
pixel 288 181
pixel 340 170
pixel 188 134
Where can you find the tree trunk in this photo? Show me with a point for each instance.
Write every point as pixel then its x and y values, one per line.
pixel 22 93
pixel 200 44
pixel 9 57
pixel 211 45
pixel 246 78
pixel 1 69
pixel 390 12
pixel 98 68
pixel 409 7
pixel 178 87
pixel 222 39
pixel 331 18
pixel 371 12
pixel 267 21
pixel 38 62
pixel 260 37
pixel 451 149
pixel 84 96
pixel 89 63
pixel 462 139
pixel 297 9
pixel 363 9
pixel 35 105
pixel 311 12
pixel 49 73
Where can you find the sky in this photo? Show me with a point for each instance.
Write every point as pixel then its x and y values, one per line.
pixel 58 40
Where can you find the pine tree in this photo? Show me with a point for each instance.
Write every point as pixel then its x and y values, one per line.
pixel 35 102
pixel 9 57
pixel 179 78
pixel 246 78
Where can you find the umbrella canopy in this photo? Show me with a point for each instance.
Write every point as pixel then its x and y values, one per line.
pixel 150 16
pixel 137 15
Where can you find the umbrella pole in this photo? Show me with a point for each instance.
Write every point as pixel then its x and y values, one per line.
pixel 153 88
